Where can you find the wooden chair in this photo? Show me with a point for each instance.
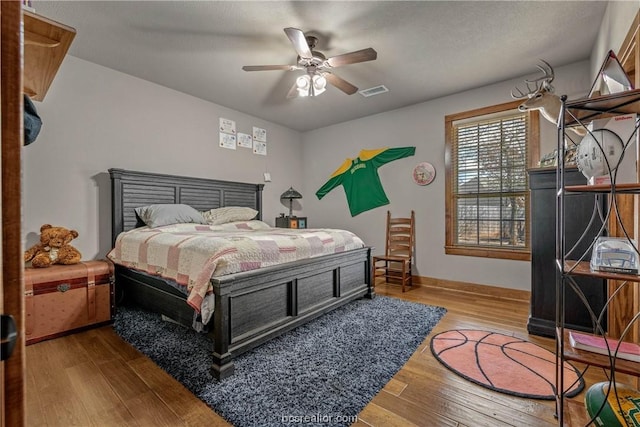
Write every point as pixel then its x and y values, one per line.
pixel 396 262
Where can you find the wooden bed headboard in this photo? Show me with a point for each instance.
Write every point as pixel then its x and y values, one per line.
pixel 131 189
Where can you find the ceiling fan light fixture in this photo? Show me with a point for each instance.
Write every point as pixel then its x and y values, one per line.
pixel 319 84
pixel 311 84
pixel 304 85
pixel 303 82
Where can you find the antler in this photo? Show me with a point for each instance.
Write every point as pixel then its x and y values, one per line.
pixel 529 94
pixel 548 74
pixel 540 83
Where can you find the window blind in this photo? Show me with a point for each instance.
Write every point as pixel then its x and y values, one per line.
pixel 490 188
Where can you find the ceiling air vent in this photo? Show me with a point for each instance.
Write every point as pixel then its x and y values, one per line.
pixel 376 90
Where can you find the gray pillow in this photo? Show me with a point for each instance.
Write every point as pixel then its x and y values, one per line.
pixel 167 214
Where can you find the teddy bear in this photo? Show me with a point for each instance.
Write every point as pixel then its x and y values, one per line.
pixel 54 248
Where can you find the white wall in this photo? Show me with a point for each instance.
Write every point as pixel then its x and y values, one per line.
pixel 422 126
pixel 95 118
pixel 615 25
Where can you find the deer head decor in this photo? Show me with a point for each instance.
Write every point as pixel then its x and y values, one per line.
pixel 540 96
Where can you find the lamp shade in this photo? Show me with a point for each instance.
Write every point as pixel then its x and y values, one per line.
pixel 291 194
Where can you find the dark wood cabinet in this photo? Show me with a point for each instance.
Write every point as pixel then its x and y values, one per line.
pixel 579 208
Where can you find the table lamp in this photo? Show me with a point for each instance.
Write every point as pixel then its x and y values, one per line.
pixel 290 194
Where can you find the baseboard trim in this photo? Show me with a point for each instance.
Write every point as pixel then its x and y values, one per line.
pixel 473 288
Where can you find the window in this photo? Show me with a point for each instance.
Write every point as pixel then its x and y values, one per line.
pixel 488 152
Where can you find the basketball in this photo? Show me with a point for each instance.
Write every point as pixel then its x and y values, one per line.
pixel 614 411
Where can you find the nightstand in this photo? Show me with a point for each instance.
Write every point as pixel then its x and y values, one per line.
pixel 291 222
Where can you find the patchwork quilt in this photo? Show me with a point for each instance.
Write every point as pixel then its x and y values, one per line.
pixel 191 254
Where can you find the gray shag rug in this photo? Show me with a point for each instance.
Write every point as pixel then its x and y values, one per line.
pixel 322 373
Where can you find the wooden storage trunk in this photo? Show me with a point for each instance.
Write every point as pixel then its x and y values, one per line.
pixel 65 298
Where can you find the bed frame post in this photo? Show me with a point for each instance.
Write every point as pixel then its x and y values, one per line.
pixel 117 224
pixel 259 188
pixel 369 278
pixel 222 366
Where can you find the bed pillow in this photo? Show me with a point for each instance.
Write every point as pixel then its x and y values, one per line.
pixel 229 214
pixel 167 214
pixel 245 225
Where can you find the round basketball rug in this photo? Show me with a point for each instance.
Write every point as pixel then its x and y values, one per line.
pixel 503 363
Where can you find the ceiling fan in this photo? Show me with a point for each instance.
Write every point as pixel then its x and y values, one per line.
pixel 316 65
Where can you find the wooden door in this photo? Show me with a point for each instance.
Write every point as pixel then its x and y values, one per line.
pixel 12 371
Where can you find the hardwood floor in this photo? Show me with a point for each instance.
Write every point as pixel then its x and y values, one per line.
pixel 94 378
pixel 431 395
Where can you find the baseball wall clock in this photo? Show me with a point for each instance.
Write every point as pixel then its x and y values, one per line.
pixel 424 173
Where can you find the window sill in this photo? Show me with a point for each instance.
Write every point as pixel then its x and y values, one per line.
pixel 487 252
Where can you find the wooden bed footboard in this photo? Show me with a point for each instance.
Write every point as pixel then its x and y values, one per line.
pixel 250 309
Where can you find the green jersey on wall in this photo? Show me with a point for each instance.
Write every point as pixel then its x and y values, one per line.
pixel 360 180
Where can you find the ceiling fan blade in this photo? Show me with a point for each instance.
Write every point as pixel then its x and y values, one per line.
pixel 293 92
pixel 363 55
pixel 299 42
pixel 269 67
pixel 340 83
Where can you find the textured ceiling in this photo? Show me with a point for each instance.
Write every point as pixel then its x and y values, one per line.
pixel 426 49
